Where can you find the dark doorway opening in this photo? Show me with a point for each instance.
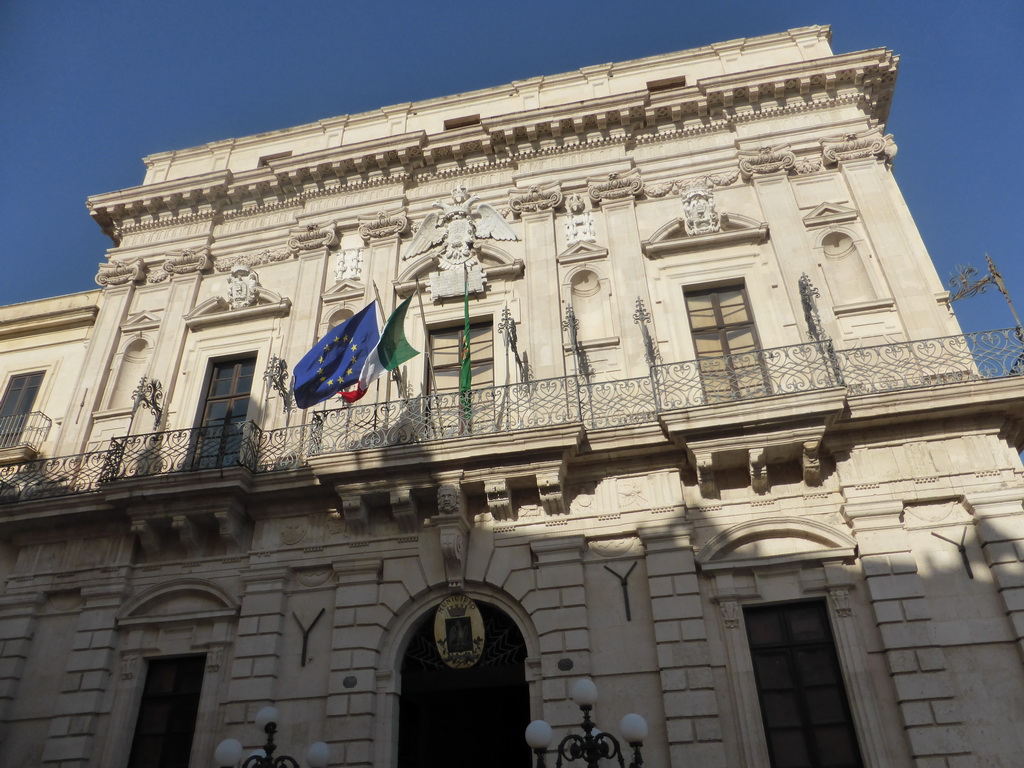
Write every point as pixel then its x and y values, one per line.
pixel 465 718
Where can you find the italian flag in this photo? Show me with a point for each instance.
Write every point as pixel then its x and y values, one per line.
pixel 391 351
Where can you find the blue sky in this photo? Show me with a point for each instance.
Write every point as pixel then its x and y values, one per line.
pixel 88 88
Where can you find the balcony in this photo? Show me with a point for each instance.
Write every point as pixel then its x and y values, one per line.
pixel 669 390
pixel 22 435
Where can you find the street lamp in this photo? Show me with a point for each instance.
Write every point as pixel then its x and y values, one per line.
pixel 229 752
pixel 593 745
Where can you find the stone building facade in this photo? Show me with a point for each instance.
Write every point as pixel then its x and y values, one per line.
pixel 727 451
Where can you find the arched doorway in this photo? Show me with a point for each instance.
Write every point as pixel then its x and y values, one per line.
pixel 465 718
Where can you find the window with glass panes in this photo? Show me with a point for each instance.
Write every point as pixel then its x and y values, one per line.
pixel 804 708
pixel 17 405
pixel 167 713
pixel 724 337
pixel 227 398
pixel 446 351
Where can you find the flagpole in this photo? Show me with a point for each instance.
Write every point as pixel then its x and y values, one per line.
pixel 426 339
pixel 397 375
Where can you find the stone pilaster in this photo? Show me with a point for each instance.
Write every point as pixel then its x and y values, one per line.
pixel 684 656
pixel 630 277
pixel 17 628
pixel 359 622
pixel 258 645
pixel 540 309
pixel 924 687
pixel 559 611
pixel 999 524
pixel 83 699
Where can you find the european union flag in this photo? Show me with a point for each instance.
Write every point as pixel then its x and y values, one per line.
pixel 335 361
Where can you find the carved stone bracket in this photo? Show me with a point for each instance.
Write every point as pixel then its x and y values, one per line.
pixel 765 160
pixel 384 224
pixel 189 261
pixel 405 510
pixel 357 515
pixel 811 461
pixel 231 528
pixel 616 187
pixel 313 237
pixel 758 470
pixel 839 600
pixel 190 535
pixel 705 465
pixel 499 499
pixel 535 199
pixel 730 613
pixel 453 531
pixel 149 538
pixel 121 273
pixel 549 486
pixel 130 665
pixel 856 146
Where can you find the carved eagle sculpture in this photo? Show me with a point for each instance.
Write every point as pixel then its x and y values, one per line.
pixel 454 231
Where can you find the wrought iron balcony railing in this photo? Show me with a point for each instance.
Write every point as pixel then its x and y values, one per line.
pixel 533 405
pixel 24 429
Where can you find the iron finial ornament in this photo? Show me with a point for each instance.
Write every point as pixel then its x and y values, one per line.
pixel 276 377
pixel 963 284
pixel 642 318
pixel 149 395
pixel 572 327
pixel 507 328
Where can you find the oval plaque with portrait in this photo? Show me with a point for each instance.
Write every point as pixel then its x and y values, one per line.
pixel 459 632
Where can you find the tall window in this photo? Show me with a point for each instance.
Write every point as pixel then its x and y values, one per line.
pixel 224 413
pixel 167 714
pixel 726 343
pixel 16 407
pixel 446 352
pixel 804 707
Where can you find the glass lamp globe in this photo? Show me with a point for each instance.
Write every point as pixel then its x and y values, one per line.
pixel 584 692
pixel 265 716
pixel 228 753
pixel 633 728
pixel 318 754
pixel 538 734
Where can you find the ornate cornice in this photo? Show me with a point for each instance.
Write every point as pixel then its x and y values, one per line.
pixel 677 186
pixel 535 199
pixel 384 224
pixel 617 186
pixel 765 160
pixel 856 146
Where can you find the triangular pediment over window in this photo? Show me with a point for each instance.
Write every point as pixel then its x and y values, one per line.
pixel 345 290
pixel 582 252
pixel 829 213
pixel 141 321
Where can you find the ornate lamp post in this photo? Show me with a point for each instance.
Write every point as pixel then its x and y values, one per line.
pixel 594 745
pixel 229 752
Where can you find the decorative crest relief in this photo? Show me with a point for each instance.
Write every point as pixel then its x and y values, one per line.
pixel 121 273
pixel 700 216
pixel 384 224
pixel 579 224
pixel 616 187
pixel 765 160
pixel 243 287
pixel 350 265
pixel 535 199
pixel 313 237
pixel 855 146
pixel 453 233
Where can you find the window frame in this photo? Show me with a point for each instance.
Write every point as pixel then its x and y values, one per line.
pixel 150 701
